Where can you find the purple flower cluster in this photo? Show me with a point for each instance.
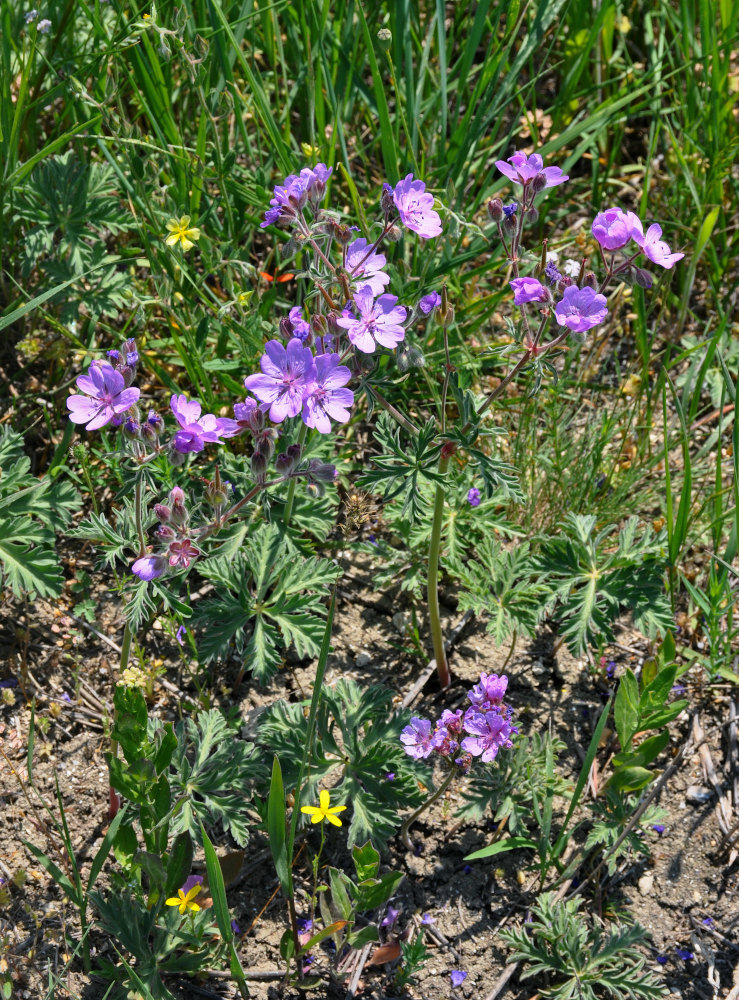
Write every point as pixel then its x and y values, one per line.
pixel 530 170
pixel 107 390
pixel 174 532
pixel 481 731
pixel 291 197
pixel 614 228
pixel 293 382
pixel 415 207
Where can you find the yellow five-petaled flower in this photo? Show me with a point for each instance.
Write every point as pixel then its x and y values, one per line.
pixel 324 810
pixel 185 901
pixel 180 231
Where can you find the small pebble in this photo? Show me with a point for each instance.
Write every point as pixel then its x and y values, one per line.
pixel 363 659
pixel 646 884
pixel 698 795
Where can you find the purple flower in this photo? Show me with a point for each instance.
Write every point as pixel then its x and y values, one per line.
pixel 429 302
pixel 490 731
pixel 380 321
pixel 150 567
pixel 457 977
pixel 490 690
pixel 44 26
pixel 416 207
pixel 684 954
pixel 613 228
pixel 658 828
pixel 182 553
pixel 288 199
pixel 390 776
pixel 390 917
pixel 707 921
pixel 326 399
pixel 417 738
pixel 510 210
pixel 527 290
pixel 474 496
pixel 366 271
pixel 196 430
pixel 235 927
pixel 655 248
pixel 287 374
pixel 30 16
pixel 522 169
pixel 249 417
pixel 300 327
pixel 180 636
pixel 552 272
pixel 662 959
pixel 427 919
pixel 108 396
pixel 581 309
pixel 305 925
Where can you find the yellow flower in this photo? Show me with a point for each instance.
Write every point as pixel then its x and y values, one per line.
pixel 182 232
pixel 185 901
pixel 324 811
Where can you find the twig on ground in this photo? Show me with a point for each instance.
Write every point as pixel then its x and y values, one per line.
pixel 723 806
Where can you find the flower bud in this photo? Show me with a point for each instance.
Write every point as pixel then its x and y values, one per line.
pixel 393 234
pixel 564 282
pixel 163 512
pixel 132 429
pixel 319 325
pixel 532 214
pixel 259 467
pixel 495 209
pixel 642 278
pixel 384 39
pixel 321 471
pixel 445 312
pixel 179 511
pixel 286 328
pixel 165 532
pixel 510 224
pixel 539 183
pixel 175 457
pixel 132 355
pixel 128 374
pixel 386 200
pixel 316 490
pixel 283 465
pixel 294 451
pixel 589 280
pixel 265 443
pixel 155 422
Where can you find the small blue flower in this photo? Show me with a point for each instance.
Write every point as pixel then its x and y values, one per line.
pixel 390 775
pixel 457 977
pixel 235 927
pixel 658 828
pixel 684 954
pixel 31 16
pixel 390 917
pixel 662 959
pixel 473 497
pixel 44 26
pixel 427 919
pixel 707 922
pixel 509 210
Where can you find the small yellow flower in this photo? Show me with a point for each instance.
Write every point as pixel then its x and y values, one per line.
pixel 324 811
pixel 181 232
pixel 185 901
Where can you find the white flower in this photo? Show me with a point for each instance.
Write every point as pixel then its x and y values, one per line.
pixel 571 267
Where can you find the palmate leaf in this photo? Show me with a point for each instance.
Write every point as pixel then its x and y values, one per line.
pixel 26 568
pixel 214 771
pixel 271 597
pixel 404 466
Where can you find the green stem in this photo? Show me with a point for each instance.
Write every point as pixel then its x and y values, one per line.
pixel 424 805
pixel 432 590
pixel 293 482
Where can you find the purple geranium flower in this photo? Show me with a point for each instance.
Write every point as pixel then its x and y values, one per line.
pixel 655 248
pixel 380 321
pixel 490 731
pixel 288 374
pixel 429 302
pixel 150 567
pixel 105 397
pixel 366 271
pixel 416 738
pixel 613 228
pixel 457 977
pixel 474 496
pixel 490 690
pixel 522 169
pixel 527 290
pixel 326 399
pixel 300 327
pixel 416 207
pixel 196 430
pixel 581 309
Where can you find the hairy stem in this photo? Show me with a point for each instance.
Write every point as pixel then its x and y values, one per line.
pixel 432 587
